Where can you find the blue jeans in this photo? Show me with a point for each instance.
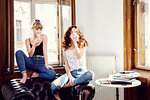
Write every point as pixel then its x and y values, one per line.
pixel 34 63
pixel 79 75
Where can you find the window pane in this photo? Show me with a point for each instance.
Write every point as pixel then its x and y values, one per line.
pixel 143 33
pixel 18 23
pixel 47 13
pixel 19 36
pixel 66 17
pixel 25 12
pixel 18 30
pixel 22 24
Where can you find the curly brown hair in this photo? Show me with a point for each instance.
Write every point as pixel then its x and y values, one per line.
pixel 67 40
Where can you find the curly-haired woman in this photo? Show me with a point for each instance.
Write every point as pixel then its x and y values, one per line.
pixel 74 45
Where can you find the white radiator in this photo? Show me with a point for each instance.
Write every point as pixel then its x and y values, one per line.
pixel 102 66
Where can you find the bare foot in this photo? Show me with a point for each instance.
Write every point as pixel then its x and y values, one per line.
pixel 24 78
pixel 34 75
pixel 86 94
pixel 57 96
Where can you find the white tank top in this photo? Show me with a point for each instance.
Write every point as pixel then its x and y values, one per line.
pixel 72 59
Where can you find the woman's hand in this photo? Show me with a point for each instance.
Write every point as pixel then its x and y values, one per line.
pixel 49 67
pixel 74 37
pixel 71 81
pixel 37 42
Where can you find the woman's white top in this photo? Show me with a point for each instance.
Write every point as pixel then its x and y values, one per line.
pixel 72 59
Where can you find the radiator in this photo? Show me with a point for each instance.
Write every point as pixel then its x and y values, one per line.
pixel 102 66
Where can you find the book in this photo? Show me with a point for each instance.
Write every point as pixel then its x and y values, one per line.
pixel 121 82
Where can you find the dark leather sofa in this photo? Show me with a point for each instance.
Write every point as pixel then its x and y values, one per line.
pixel 39 89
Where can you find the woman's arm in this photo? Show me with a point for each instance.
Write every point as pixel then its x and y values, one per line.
pixel 29 49
pixel 71 78
pixel 44 38
pixel 79 51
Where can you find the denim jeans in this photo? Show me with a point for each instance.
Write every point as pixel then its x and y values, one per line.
pixel 79 75
pixel 34 63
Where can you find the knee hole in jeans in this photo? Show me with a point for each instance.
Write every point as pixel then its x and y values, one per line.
pixel 57 82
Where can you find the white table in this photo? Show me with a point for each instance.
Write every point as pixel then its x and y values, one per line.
pixel 135 83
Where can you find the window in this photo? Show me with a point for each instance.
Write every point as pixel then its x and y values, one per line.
pixel 21 24
pixel 136 34
pixel 142 34
pixel 18 31
pixel 66 15
pixel 49 13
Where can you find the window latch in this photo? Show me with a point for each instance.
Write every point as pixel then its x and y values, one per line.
pixel 134 2
pixel 135 49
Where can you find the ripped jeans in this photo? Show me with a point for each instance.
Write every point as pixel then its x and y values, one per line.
pixel 79 75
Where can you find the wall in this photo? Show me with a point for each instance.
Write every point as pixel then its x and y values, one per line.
pixel 101 22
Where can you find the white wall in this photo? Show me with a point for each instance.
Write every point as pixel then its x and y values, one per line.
pixel 101 22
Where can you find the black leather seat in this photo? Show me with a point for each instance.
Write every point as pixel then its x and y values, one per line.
pixel 39 89
pixel 13 90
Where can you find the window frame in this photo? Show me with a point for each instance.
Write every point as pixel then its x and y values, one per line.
pixel 11 33
pixel 142 57
pixel 130 34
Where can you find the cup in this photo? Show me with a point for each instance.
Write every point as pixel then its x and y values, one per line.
pixel 75 35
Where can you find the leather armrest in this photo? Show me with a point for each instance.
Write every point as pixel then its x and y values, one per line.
pixel 13 90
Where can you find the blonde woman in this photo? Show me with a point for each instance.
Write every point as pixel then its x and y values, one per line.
pixel 37 51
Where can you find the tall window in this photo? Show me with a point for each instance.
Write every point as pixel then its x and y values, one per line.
pixel 26 11
pixel 18 30
pixel 142 34
pixel 66 12
pixel 47 13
